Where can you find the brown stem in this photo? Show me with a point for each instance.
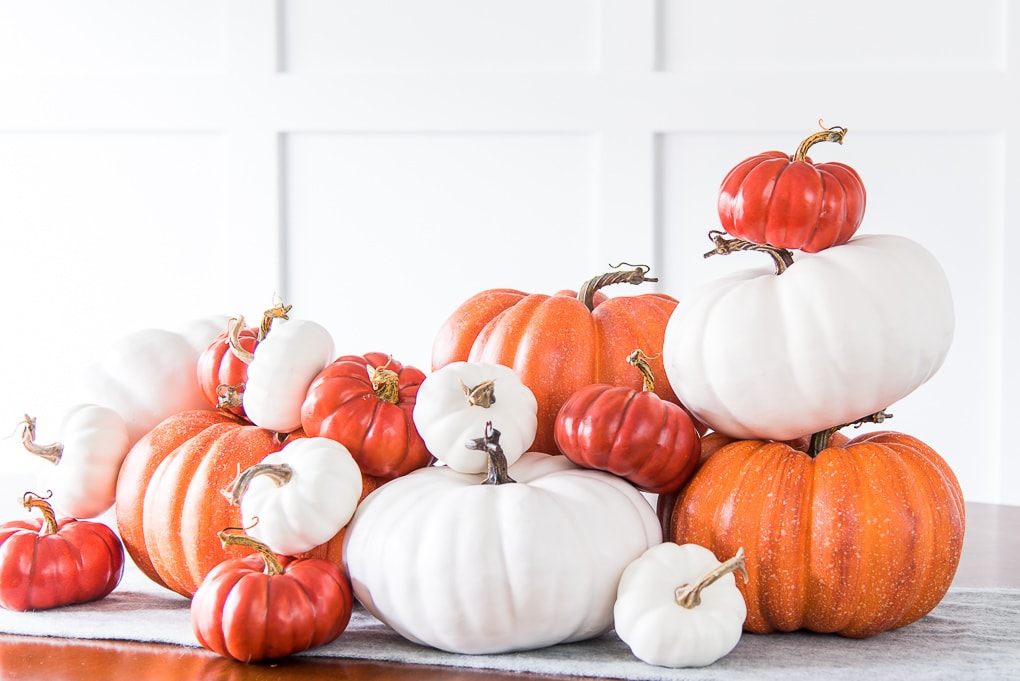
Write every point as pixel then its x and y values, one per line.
pixel 32 500
pixel 820 440
pixel 278 311
pixel 689 595
pixel 229 537
pixel 386 384
pixel 234 327
pixel 489 443
pixel 781 257
pixel 229 396
pixel 833 134
pixel 482 395
pixel 640 360
pixel 50 452
pixel 635 276
pixel 279 473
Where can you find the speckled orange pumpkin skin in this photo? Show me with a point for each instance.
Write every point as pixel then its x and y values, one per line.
pixel 863 538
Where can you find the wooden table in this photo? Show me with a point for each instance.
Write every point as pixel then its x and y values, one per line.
pixel 991 552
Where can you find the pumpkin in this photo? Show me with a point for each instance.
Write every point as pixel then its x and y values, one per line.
pixel 780 354
pixel 299 497
pixel 50 563
pixel 145 376
pixel 168 506
pixel 265 607
pixel 86 460
pixel 366 403
pixel 631 433
pixel 456 401
pixel 222 373
pixel 522 557
pixel 677 606
pixel 281 369
pixel 790 202
pixel 847 536
pixel 559 343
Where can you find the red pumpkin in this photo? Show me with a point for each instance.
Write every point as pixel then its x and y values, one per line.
pixel 222 373
pixel 168 503
pixel 48 563
pixel 789 202
pixel 266 607
pixel 366 403
pixel 851 536
pixel 559 343
pixel 634 434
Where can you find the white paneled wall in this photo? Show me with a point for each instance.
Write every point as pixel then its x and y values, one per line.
pixel 375 163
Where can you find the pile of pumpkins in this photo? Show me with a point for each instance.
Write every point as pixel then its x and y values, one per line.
pixel 502 501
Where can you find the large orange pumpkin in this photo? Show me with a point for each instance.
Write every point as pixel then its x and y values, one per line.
pixel 560 343
pixel 862 537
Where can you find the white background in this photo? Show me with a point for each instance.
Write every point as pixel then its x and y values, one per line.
pixel 374 163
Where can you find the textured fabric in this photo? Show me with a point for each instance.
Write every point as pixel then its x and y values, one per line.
pixel 973 634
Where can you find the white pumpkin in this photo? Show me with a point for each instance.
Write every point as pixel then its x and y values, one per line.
pixel 455 402
pixel 475 568
pixel 841 334
pixel 677 606
pixel 281 368
pixel 84 463
pixel 145 376
pixel 301 496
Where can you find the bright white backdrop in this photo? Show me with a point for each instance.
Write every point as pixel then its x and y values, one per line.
pixel 375 163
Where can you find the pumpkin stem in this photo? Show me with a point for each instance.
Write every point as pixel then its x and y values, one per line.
pixel 640 360
pixel 229 396
pixel 277 311
pixel 386 383
pixel 229 537
pixel 279 473
pixel 234 326
pixel 482 395
pixel 820 440
pixel 635 276
pixel 781 257
pixel 32 500
pixel 689 595
pixel 833 134
pixel 489 443
pixel 51 452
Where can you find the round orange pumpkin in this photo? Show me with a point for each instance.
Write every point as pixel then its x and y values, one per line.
pixel 560 343
pixel 862 537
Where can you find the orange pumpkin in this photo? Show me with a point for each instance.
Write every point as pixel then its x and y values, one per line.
pixel 862 537
pixel 560 343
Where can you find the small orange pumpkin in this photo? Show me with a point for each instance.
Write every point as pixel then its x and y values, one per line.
pixel 853 537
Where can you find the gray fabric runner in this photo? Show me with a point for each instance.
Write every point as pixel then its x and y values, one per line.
pixel 973 634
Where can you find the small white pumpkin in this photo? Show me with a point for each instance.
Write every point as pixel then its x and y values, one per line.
pixel 455 402
pixel 281 369
pixel 93 441
pixel 677 606
pixel 493 563
pixel 840 334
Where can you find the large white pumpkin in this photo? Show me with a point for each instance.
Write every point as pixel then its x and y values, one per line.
pixel 841 334
pixel 469 568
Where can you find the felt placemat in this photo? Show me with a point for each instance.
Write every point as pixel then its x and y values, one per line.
pixel 973 634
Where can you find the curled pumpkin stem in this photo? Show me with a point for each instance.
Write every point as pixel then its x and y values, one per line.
pixel 482 395
pixel 32 500
pixel 781 257
pixel 234 328
pixel 820 440
pixel 277 311
pixel 834 134
pixel 636 276
pixel 689 595
pixel 640 360
pixel 489 443
pixel 229 396
pixel 279 473
pixel 51 452
pixel 230 537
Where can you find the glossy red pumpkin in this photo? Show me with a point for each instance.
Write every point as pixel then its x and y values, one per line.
pixel 47 563
pixel 222 374
pixel 861 538
pixel 263 606
pixel 559 343
pixel 634 434
pixel 790 202
pixel 366 404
